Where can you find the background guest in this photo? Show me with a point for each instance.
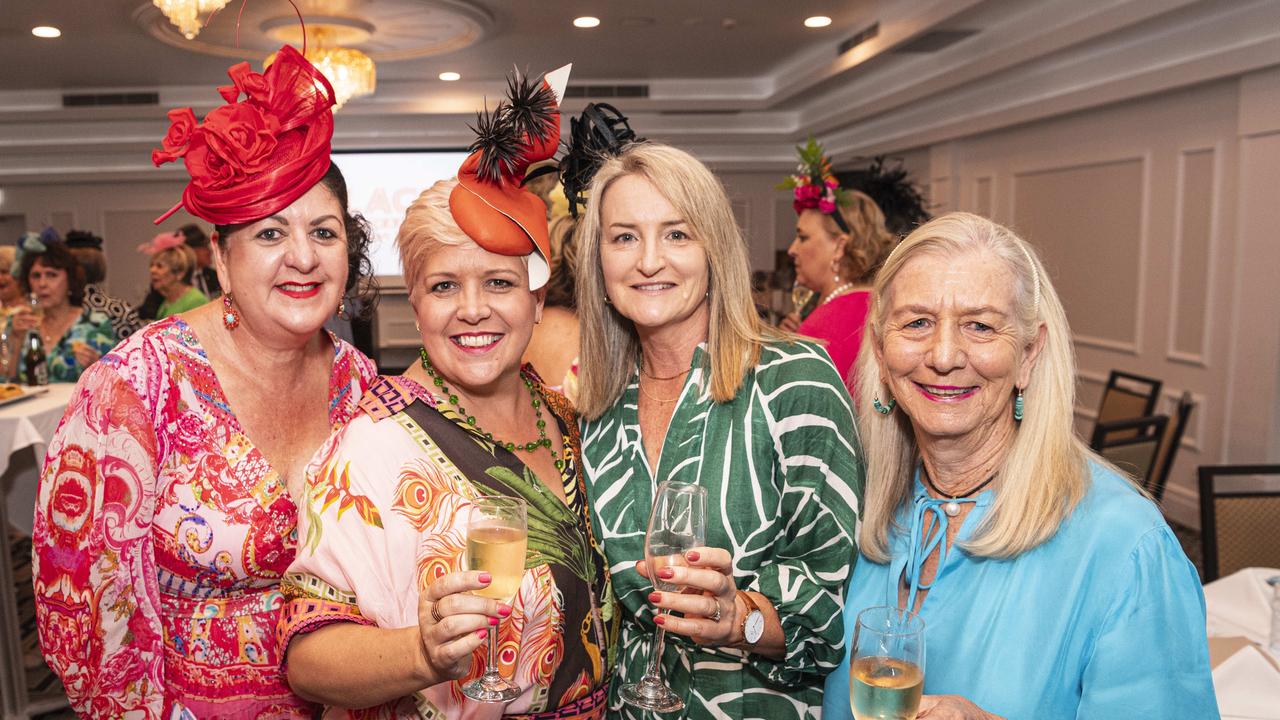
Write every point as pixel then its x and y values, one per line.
pixel 553 349
pixel 172 267
pixel 87 249
pixel 204 277
pixel 680 380
pixel 1049 586
pixel 74 337
pixel 11 297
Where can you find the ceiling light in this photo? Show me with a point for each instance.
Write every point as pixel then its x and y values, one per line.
pixel 46 31
pixel 586 21
pixel 350 72
pixel 817 21
pixel 186 14
pixel 450 76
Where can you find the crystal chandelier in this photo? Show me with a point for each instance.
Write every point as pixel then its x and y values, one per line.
pixel 186 13
pixel 351 72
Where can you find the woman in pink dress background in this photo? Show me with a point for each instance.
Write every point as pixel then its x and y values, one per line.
pixel 168 502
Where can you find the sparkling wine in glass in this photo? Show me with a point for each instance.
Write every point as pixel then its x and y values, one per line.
pixel 677 524
pixel 800 296
pixel 497 536
pixel 886 677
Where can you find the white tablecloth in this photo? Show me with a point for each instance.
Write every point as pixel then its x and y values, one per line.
pixel 27 424
pixel 1247 684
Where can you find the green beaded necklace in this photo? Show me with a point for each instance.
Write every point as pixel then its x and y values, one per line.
pixel 542 441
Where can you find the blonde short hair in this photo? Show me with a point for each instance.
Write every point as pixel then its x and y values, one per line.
pixel 180 259
pixel 609 342
pixel 1045 472
pixel 869 240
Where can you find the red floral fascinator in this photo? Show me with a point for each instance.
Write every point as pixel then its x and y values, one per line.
pixel 254 156
pixel 814 186
pixel 490 203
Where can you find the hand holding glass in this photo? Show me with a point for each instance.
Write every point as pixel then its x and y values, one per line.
pixel 886 676
pixel 497 536
pixel 677 524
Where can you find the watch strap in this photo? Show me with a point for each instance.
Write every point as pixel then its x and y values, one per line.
pixel 752 608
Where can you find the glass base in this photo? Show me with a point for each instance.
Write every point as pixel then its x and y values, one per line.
pixel 651 694
pixel 491 688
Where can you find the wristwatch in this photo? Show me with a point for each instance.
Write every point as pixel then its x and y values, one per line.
pixel 753 623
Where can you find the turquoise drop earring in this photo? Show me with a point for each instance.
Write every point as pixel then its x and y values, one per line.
pixel 884 409
pixel 1018 406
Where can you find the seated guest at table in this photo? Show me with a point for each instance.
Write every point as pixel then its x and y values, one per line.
pixel 681 380
pixel 1050 586
pixel 87 248
pixel 10 291
pixel 168 501
pixel 172 265
pixel 840 241
pixel 553 349
pixel 74 336
pixel 385 614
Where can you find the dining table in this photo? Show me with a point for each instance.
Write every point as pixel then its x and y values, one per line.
pixel 1246 669
pixel 26 425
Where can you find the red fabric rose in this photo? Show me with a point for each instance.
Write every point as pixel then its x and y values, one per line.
pixel 209 170
pixel 252 84
pixel 242 135
pixel 182 122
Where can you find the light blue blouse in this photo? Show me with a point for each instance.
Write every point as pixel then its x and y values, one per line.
pixel 1105 620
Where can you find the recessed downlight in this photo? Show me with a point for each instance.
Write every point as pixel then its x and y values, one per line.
pixel 586 21
pixel 817 21
pixel 46 31
pixel 450 76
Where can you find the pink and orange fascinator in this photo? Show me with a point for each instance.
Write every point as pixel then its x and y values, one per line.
pixel 490 203
pixel 814 186
pixel 255 155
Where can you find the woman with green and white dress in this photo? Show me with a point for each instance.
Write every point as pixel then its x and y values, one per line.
pixel 680 380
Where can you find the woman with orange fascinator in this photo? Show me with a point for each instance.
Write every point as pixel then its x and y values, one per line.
pixel 416 593
pixel 168 501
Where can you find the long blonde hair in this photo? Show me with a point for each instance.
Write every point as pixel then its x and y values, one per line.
pixel 609 341
pixel 1045 472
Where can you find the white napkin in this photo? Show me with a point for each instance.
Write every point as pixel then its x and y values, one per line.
pixel 1240 604
pixel 1248 686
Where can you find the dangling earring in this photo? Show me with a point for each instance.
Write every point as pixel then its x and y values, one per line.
pixel 1018 406
pixel 884 409
pixel 342 309
pixel 230 316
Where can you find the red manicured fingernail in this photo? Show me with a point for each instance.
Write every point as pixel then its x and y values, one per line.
pixel 482 633
pixel 666 573
pixel 660 619
pixel 504 610
pixel 655 597
pixel 486 578
pixel 692 555
pixel 493 621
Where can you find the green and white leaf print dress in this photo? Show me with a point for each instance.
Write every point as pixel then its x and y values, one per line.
pixel 783 470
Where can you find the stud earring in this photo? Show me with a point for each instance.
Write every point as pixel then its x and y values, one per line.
pixel 230 316
pixel 1018 406
pixel 884 409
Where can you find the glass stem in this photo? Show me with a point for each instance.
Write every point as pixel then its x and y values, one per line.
pixel 655 655
pixel 493 651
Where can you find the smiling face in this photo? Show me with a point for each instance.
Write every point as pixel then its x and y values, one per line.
pixel 475 313
pixel 815 251
pixel 49 284
pixel 950 350
pixel 655 271
pixel 287 272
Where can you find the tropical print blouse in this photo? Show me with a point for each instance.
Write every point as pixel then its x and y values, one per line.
pixel 385 516
pixel 161 534
pixel 92 328
pixel 782 467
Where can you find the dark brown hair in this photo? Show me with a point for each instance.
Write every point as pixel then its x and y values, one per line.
pixel 59 257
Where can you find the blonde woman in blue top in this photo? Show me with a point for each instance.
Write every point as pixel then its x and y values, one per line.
pixel 1049 586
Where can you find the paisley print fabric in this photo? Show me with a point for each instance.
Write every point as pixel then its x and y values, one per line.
pixel 161 534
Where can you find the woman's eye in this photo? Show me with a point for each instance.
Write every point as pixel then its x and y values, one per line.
pixel 270 234
pixel 917 324
pixel 501 283
pixel 444 286
pixel 678 235
pixel 982 327
pixel 624 238
pixel 325 234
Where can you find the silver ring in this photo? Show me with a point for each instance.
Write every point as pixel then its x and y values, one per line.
pixel 716 617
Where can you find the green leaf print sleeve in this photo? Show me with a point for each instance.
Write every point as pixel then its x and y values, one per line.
pixel 809 417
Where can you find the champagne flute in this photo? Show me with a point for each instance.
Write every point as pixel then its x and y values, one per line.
pixel 497 536
pixel 677 524
pixel 800 296
pixel 886 677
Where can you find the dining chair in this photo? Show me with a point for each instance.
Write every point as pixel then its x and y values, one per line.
pixel 1133 445
pixel 1240 524
pixel 1169 447
pixel 1128 396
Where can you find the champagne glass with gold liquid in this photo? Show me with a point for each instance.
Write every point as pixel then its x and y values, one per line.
pixel 886 677
pixel 677 524
pixel 497 536
pixel 800 296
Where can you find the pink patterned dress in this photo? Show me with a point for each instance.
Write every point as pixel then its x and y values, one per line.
pixel 161 535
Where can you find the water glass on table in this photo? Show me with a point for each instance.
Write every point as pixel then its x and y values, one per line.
pixel 497 536
pixel 886 676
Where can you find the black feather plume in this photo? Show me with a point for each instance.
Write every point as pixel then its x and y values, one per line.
pixel 599 133
pixel 531 107
pixel 499 148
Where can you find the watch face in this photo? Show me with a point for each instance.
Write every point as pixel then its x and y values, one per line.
pixel 753 628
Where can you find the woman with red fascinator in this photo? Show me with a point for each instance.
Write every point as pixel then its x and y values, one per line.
pixel 390 613
pixel 167 506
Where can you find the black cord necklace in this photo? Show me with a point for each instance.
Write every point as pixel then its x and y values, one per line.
pixel 951 507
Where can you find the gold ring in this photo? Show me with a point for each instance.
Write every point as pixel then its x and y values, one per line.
pixel 435 612
pixel 716 617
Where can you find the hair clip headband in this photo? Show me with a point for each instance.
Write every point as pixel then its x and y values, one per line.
pixel 814 186
pixel 599 133
pixel 253 157
pixel 490 203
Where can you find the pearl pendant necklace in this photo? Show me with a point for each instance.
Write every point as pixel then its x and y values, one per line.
pixel 952 506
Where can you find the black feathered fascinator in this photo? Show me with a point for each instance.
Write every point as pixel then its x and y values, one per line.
pixel 599 133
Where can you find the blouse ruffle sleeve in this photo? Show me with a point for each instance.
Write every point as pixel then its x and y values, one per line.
pixel 1160 605
pixel 820 463
pixel 96 593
